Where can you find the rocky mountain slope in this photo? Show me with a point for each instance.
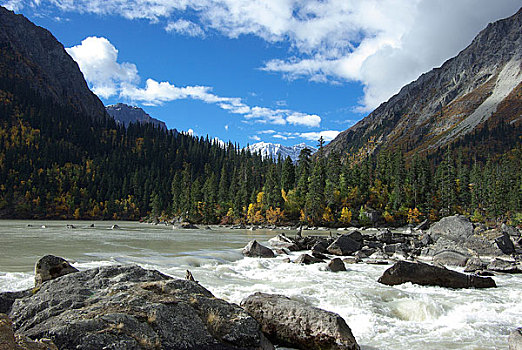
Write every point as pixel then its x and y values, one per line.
pixel 126 114
pixel 274 150
pixel 475 92
pixel 32 54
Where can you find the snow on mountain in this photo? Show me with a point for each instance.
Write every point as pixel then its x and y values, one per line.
pixel 274 150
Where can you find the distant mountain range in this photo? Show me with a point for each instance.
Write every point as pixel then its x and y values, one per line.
pixel 126 114
pixel 275 150
pixel 474 99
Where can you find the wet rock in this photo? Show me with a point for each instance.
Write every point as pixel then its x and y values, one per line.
pixel 50 267
pixel 475 264
pixel 344 245
pixel 377 262
pixel 505 244
pixel 426 240
pixel 291 323
pixel 336 265
pixel 10 341
pixel 256 250
pixel 515 339
pixel 115 227
pixel 307 259
pixel 504 266
pixel 281 241
pixel 188 226
pixel 128 307
pixel 452 258
pixel 319 255
pixel 509 230
pixel 429 275
pixel 320 247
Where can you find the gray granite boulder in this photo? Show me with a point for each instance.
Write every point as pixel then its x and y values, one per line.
pixel 128 307
pixel 429 275
pixel 255 250
pixel 50 267
pixel 294 324
pixel 344 245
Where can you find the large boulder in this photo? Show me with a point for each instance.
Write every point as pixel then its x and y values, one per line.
pixel 450 257
pixel 294 324
pixel 255 250
pixel 429 275
pixel 344 245
pixel 307 259
pixel 11 341
pixel 50 267
pixel 505 244
pixel 336 265
pixel 515 340
pixel 457 233
pixel 8 298
pixel 128 307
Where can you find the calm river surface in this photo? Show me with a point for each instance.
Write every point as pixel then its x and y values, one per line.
pixel 381 317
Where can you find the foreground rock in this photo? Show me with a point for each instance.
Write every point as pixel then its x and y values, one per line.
pixel 128 307
pixel 294 324
pixel 10 341
pixel 307 259
pixel 282 242
pixel 429 275
pixel 515 340
pixel 255 250
pixel 344 245
pixel 50 267
pixel 336 265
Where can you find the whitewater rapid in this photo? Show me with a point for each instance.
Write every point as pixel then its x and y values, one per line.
pixel 381 317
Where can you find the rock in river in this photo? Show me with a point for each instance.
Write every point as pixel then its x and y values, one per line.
pixel 429 275
pixel 255 250
pixel 515 340
pixel 344 245
pixel 336 265
pixel 128 307
pixel 294 324
pixel 50 267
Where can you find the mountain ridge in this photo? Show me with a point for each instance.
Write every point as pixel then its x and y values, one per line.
pixel 126 114
pixel 274 150
pixel 448 102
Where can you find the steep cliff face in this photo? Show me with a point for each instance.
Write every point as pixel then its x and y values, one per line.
pixel 126 114
pixel 32 54
pixel 481 85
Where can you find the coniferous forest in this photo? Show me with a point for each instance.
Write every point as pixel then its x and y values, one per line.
pixel 56 163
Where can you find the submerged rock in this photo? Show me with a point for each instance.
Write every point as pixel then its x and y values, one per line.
pixel 50 267
pixel 429 275
pixel 188 225
pixel 128 307
pixel 291 323
pixel 255 250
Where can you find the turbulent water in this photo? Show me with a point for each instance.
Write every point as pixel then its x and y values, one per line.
pixel 381 317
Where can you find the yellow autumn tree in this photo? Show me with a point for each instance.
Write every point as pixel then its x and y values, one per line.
pixel 327 215
pixel 346 215
pixel 414 215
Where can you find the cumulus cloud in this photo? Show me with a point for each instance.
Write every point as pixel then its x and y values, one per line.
pixel 185 27
pixel 13 5
pixel 98 61
pixel 382 44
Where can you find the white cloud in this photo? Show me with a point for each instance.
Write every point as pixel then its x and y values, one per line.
pixel 185 27
pixel 190 132
pixel 226 127
pixel 13 5
pixel 255 138
pixel 383 44
pixel 97 59
pixel 328 135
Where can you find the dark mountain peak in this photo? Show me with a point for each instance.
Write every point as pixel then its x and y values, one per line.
pixel 481 85
pixel 32 54
pixel 126 114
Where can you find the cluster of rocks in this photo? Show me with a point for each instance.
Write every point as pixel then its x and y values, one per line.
pixel 453 241
pixel 128 307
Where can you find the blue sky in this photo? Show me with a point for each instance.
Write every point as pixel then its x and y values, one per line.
pixel 282 71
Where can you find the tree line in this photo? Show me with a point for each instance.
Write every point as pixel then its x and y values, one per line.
pixel 56 163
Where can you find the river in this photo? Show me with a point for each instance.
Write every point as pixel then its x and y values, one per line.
pixel 381 317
